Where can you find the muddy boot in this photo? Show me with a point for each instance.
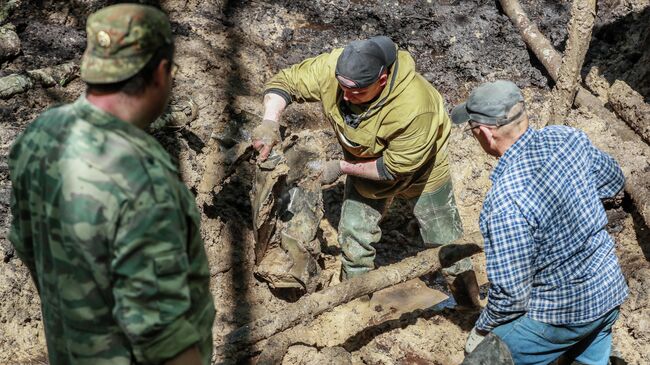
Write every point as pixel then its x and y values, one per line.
pixel 463 286
pixel 358 231
pixel 491 351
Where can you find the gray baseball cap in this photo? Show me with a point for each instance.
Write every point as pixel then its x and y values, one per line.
pixel 489 104
pixel 362 62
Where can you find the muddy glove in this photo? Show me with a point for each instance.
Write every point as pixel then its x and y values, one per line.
pixel 327 171
pixel 473 340
pixel 331 172
pixel 265 136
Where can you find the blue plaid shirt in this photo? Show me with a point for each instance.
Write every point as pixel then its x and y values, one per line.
pixel 548 254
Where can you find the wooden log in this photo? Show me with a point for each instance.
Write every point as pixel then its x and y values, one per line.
pixel 275 349
pixel 583 13
pixel 540 45
pixel 630 106
pixel 546 53
pixel 636 183
pixel 307 308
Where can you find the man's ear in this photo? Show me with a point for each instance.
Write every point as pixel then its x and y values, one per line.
pixel 486 132
pixel 383 79
pixel 161 72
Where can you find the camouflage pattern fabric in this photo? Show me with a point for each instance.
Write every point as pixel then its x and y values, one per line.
pixel 121 40
pixel 111 237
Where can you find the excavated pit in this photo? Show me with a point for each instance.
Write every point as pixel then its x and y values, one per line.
pixel 226 50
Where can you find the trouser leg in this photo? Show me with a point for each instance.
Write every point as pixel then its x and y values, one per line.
pixel 440 224
pixel 358 231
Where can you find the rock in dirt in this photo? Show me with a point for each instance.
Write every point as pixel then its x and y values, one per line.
pixel 49 76
pixel 334 356
pixel 9 42
pixel 491 351
pixel 6 7
pixel 597 84
pixel 56 75
pixel 14 84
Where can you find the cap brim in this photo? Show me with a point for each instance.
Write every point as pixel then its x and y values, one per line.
pixel 459 114
pixel 97 70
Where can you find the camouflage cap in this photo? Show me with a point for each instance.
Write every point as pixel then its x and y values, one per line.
pixel 121 40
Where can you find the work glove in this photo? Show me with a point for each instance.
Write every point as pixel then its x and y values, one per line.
pixel 328 171
pixel 473 340
pixel 265 136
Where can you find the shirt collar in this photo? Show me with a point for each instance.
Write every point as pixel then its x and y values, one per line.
pixel 133 134
pixel 511 154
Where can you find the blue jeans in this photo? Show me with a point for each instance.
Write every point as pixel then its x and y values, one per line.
pixel 534 342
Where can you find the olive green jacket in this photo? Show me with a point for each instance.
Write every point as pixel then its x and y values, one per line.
pixel 407 124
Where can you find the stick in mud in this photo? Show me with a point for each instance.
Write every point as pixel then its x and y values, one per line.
pixel 583 14
pixel 630 106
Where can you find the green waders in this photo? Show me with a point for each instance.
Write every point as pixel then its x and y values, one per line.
pixel 439 223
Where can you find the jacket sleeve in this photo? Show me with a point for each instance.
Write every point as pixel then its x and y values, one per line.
pixel 150 273
pixel 606 174
pixel 20 233
pixel 22 241
pixel 509 253
pixel 411 147
pixel 303 81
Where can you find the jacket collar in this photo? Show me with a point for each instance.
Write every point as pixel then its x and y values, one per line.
pixel 139 138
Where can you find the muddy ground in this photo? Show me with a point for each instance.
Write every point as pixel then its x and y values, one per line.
pixel 227 49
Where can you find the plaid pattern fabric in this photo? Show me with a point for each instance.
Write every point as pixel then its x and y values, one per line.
pixel 548 254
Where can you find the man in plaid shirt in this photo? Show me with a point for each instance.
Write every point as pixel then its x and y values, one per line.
pixel 555 283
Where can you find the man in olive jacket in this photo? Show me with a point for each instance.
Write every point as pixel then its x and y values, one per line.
pixel 394 130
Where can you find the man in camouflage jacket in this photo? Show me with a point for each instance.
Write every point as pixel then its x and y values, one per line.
pixel 107 229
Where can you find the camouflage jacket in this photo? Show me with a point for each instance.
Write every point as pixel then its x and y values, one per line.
pixel 111 237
